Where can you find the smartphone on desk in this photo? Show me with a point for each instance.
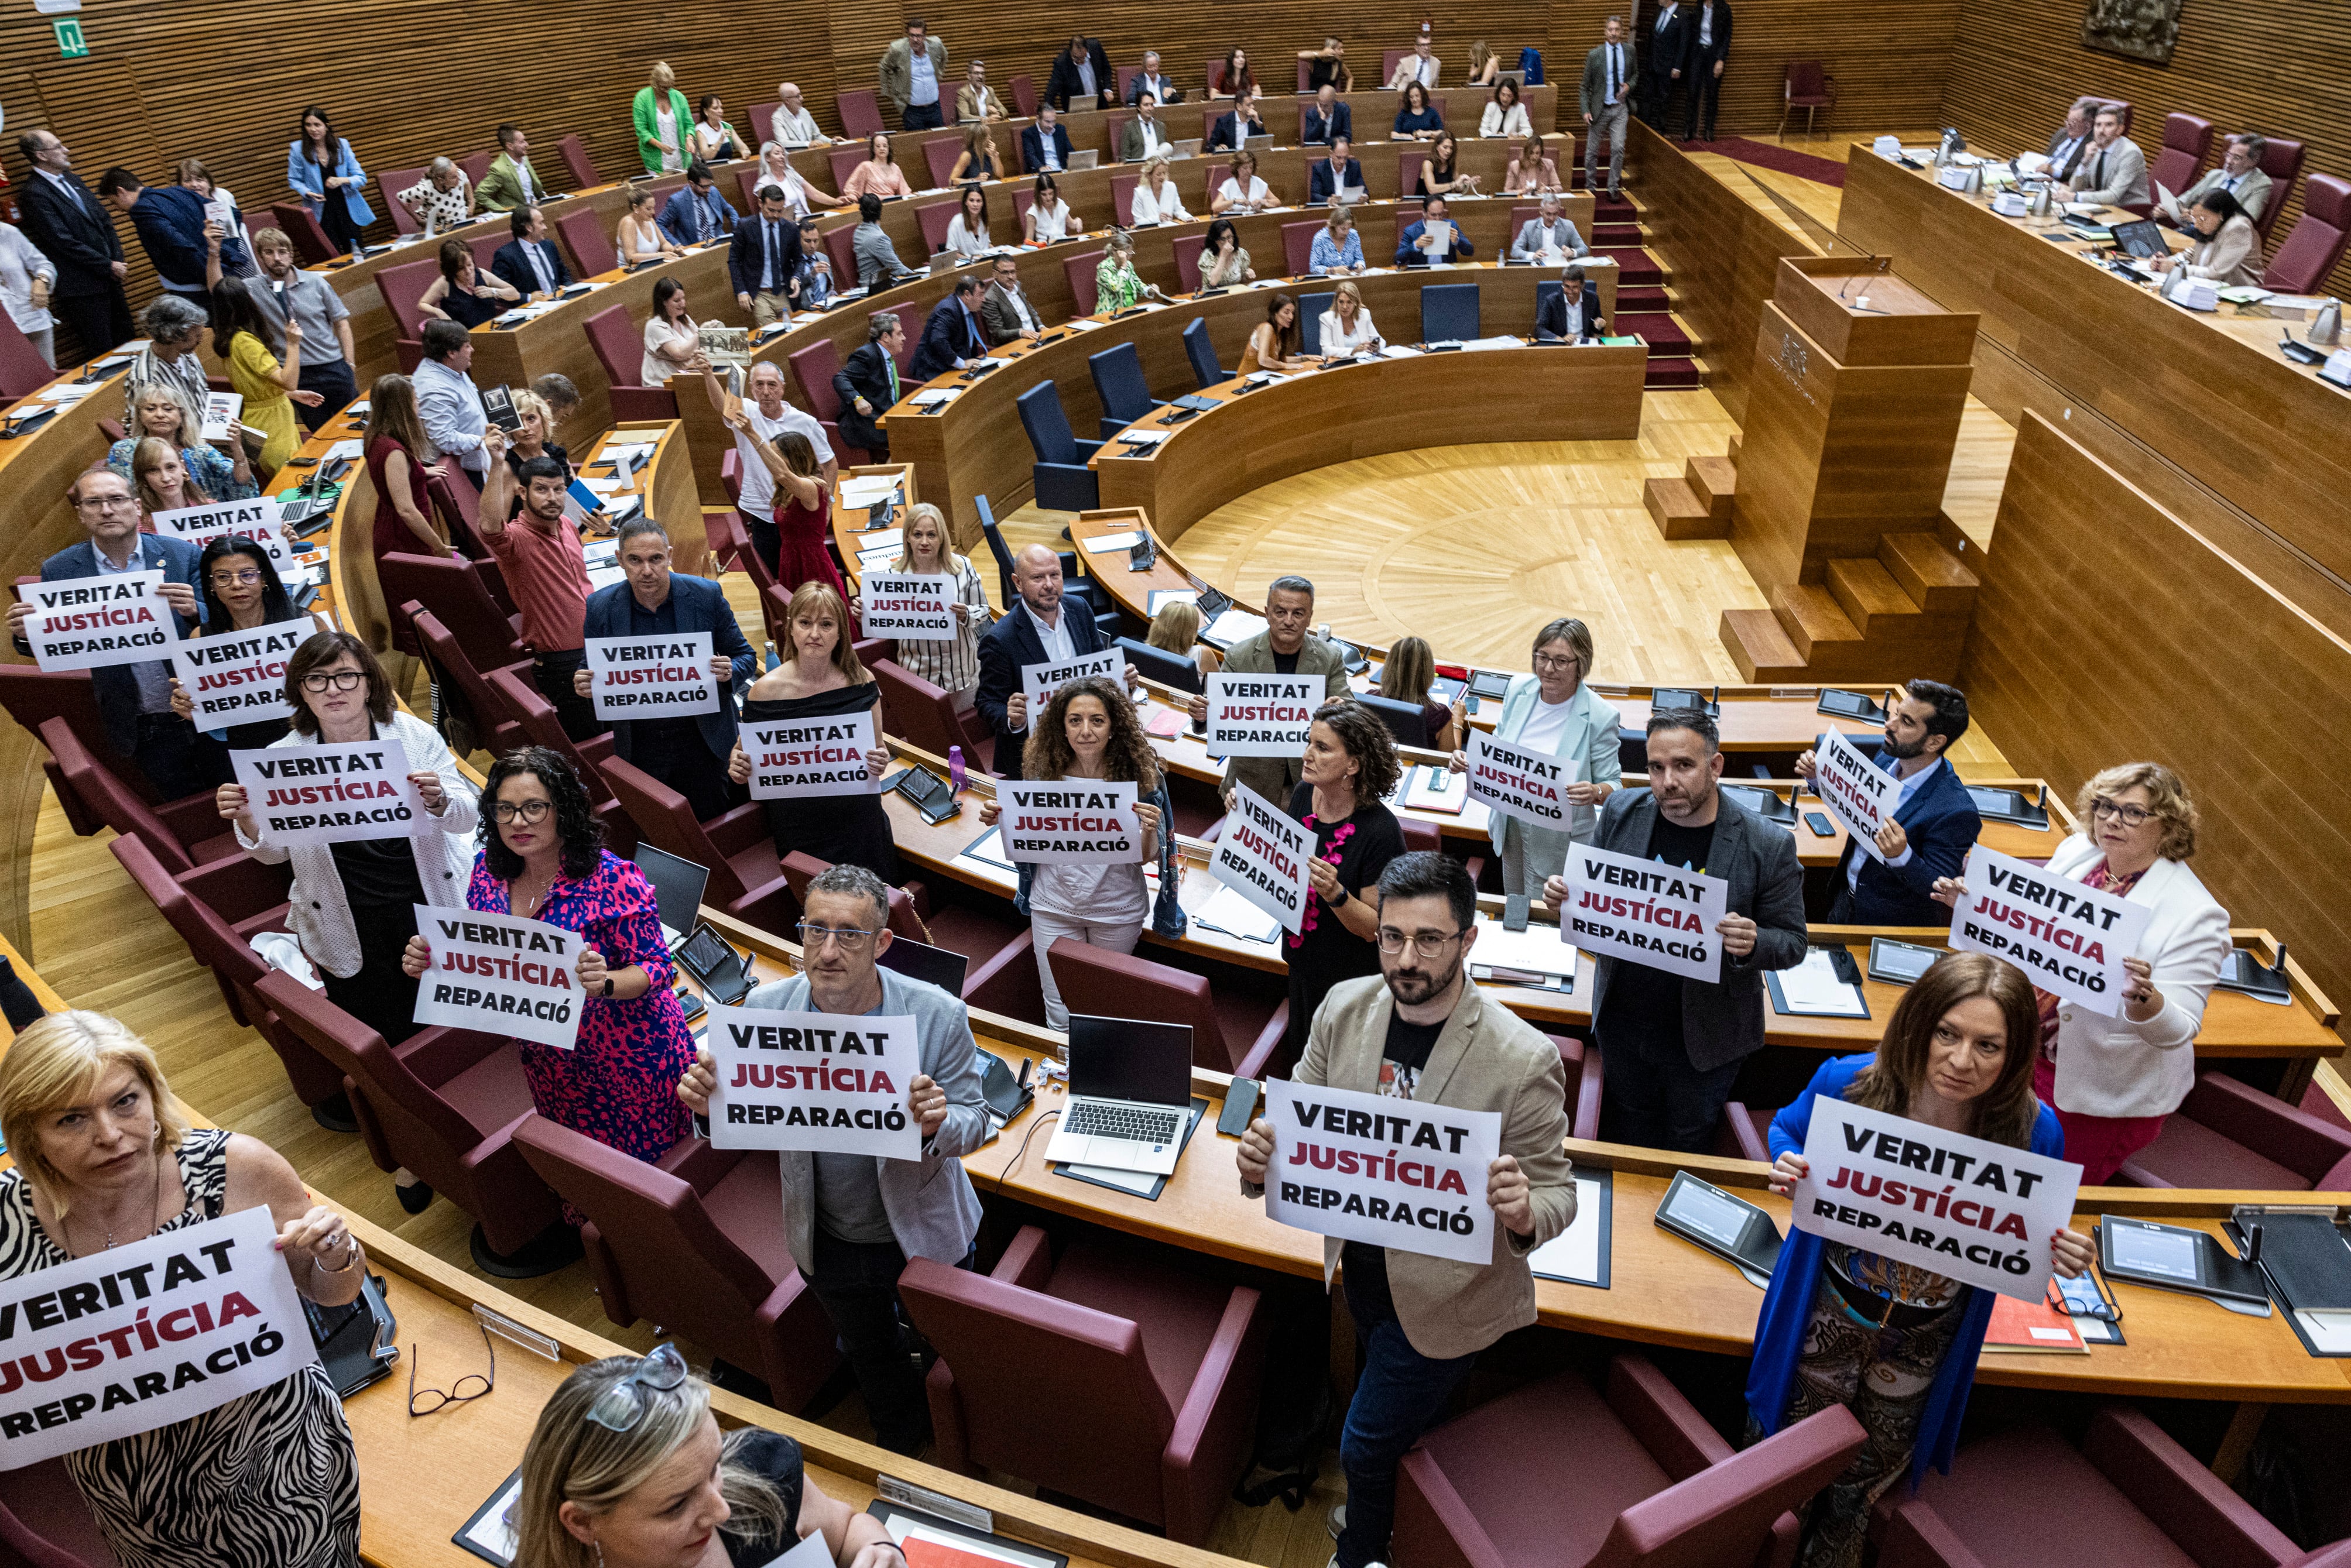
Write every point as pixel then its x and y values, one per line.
pixel 1240 1105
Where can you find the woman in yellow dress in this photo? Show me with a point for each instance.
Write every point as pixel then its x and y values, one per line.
pixel 270 387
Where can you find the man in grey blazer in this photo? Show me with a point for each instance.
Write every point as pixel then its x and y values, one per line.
pixel 2112 172
pixel 1549 230
pixel 2239 174
pixel 1672 1046
pixel 1283 648
pixel 852 1220
pixel 1605 96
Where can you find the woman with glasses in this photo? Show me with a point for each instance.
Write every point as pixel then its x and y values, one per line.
pixel 241 593
pixel 1090 731
pixel 353 906
pixel 821 677
pixel 103 1160
pixel 1553 712
pixel 627 1469
pixel 2115 1080
pixel 1350 766
pixel 1117 285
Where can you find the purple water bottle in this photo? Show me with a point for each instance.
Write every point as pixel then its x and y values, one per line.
pixel 955 767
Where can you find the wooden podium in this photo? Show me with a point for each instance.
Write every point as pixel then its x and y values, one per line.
pixel 1852 416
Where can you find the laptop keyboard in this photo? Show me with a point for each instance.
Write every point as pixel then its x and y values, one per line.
pixel 1093 1119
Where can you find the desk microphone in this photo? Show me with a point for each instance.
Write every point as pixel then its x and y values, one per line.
pixel 1876 263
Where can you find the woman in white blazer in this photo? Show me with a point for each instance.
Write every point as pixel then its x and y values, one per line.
pixel 1347 327
pixel 1155 200
pixel 2114 1079
pixel 1506 116
pixel 1553 712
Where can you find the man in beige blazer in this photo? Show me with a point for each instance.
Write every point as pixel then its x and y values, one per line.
pixel 1286 647
pixel 1421 1031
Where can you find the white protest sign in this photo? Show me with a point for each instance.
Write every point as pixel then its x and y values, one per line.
pixel 814 1080
pixel 90 623
pixel 500 973
pixel 791 757
pixel 919 605
pixel 1644 912
pixel 221 411
pixel 1070 822
pixel 1262 855
pixel 257 519
pixel 240 677
pixel 2069 940
pixel 1976 1212
pixel 1039 682
pixel 1262 715
pixel 1857 793
pixel 329 794
pixel 139 1336
pixel 652 677
pixel 1389 1172
pixel 1529 785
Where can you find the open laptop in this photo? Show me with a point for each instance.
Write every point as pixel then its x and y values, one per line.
pixel 1088 159
pixel 1189 147
pixel 1130 1095
pixel 920 961
pixel 677 890
pixel 2141 238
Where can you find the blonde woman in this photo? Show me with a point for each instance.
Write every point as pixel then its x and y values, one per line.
pixel 879 174
pixel 979 159
pixel 951 664
pixel 1337 247
pixel 1155 200
pixel 1532 172
pixel 160 479
pixel 165 410
pixel 639 237
pixel 1485 66
pixel 1346 327
pixel 662 122
pixel 1177 630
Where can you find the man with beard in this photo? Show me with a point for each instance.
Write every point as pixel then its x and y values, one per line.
pixel 1932 828
pixel 1420 1031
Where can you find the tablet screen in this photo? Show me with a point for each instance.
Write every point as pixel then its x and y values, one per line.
pixel 1710 1213
pixel 2165 1253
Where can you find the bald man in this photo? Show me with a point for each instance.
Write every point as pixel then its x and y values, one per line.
pixel 793 125
pixel 1044 629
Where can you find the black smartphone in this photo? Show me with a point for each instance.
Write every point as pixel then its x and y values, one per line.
pixel 301 463
pixel 689 1003
pixel 1820 824
pixel 1240 1105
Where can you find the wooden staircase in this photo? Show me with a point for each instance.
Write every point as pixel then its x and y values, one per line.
pixel 1698 505
pixel 1901 612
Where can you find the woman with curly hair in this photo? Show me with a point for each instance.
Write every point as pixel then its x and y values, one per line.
pixel 543 858
pixel 1350 765
pixel 1090 731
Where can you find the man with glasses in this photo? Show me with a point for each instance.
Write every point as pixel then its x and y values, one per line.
pixel 1934 823
pixel 1283 648
pixel 1421 1031
pixel 852 1220
pixel 546 570
pixel 134 700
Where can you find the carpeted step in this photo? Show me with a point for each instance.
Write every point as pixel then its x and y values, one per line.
pixel 1671 373
pixel 1615 234
pixel 1634 266
pixel 1655 326
pixel 1647 296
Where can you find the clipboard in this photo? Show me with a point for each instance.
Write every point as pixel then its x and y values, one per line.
pixel 1595 1202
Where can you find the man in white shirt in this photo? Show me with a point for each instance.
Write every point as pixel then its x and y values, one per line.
pixel 794 126
pixel 1154 80
pixel 2112 172
pixel 1420 66
pixel 2240 175
pixel 1548 236
pixel 1007 312
pixel 448 404
pixel 1145 137
pixel 910 77
pixel 770 417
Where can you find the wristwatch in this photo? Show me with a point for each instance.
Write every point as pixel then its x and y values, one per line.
pixel 608 986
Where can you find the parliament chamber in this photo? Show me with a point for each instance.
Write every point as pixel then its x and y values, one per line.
pixel 1850 437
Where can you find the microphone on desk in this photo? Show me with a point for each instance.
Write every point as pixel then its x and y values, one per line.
pixel 1878 264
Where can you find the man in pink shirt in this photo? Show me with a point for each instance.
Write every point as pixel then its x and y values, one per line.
pixel 539 551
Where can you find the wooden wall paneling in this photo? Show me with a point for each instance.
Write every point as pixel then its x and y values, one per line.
pixel 1888 56
pixel 2108 631
pixel 2268 65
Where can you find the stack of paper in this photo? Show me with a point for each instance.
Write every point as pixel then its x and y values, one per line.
pixel 1144 437
pixel 1234 916
pixel 1231 627
pixel 1106 543
pixel 1399 351
pixel 1537 950
pixel 1811 990
pixel 936 397
pixel 864 490
pixel 1504 342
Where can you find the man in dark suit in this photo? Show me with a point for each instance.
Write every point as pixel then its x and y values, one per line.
pixel 763 259
pixel 1708 51
pixel 529 261
pixel 1934 824
pixel 1081 75
pixel 954 335
pixel 1572 313
pixel 696 211
pixel 1672 1046
pixel 1662 54
pixel 1044 628
pixel 1232 128
pixel 1329 179
pixel 688 754
pixel 1327 119
pixel 1048 134
pixel 867 384
pixel 1413 248
pixel 72 228
pixel 190 252
pixel 135 699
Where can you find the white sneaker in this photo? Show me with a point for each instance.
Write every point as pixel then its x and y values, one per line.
pixel 1336 1519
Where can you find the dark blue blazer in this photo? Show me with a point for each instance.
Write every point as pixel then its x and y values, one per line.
pixel 115 690
pixel 1320 130
pixel 1008 645
pixel 171 223
pixel 1408 251
pixel 701 607
pixel 512 262
pixel 1942 822
pixel 746 255
pixel 1032 148
pixel 678 220
pixel 1229 131
pixel 1319 187
pixel 951 333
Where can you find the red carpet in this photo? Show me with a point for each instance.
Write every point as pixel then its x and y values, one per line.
pixel 1763 155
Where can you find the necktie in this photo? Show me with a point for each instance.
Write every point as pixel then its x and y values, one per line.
pixel 2098 173
pixel 892 366
pixel 775 249
pixel 1611 73
pixel 1665 18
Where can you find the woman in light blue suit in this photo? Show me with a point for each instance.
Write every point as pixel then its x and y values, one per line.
pixel 1552 711
pixel 319 168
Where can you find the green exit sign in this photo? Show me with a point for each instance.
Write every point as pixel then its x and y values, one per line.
pixel 71 45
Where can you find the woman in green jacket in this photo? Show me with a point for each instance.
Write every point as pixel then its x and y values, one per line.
pixel 664 122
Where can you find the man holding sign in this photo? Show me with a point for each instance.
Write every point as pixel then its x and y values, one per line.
pixel 1042 630
pixel 1285 647
pixel 1678 1001
pixel 1909 818
pixel 853 1219
pixel 1925 1178
pixel 135 697
pixel 1455 1067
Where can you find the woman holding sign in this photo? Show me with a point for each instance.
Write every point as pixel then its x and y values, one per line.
pixel 820 677
pixel 1350 766
pixel 1891 1340
pixel 242 593
pixel 2115 1080
pixel 164 410
pixel 1553 712
pixel 103 1161
pixel 951 664
pixel 1090 731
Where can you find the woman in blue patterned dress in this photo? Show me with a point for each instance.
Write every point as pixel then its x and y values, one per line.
pixel 543 859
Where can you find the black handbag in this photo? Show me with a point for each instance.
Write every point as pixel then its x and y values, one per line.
pixel 357 1340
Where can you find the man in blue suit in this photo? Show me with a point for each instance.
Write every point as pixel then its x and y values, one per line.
pixel 1045 629
pixel 172 224
pixel 954 335
pixel 1329 179
pixel 529 261
pixel 1411 250
pixel 1046 134
pixel 135 699
pixel 763 259
pixel 688 754
pixel 1934 823
pixel 695 213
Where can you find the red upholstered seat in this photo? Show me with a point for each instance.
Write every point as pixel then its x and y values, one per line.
pixel 1188 261
pixel 389 183
pixel 861 111
pixel 574 151
pixel 813 368
pixel 590 247
pixel 747 879
pixel 477 164
pixel 403 287
pixel 933 220
pixel 495 727
pixel 311 245
pixel 458 593
pixel 1024 96
pixel 2227 1133
pixel 1409 177
pixel 2281 161
pixel 941 153
pixel 1121 197
pixel 619 347
pixel 1809 87
pixel 2187 143
pixel 845 159
pixel 924 716
pixel 2312 251
pixel 1298 246
pixel 190 837
pixel 1084 287
pixel 44 1523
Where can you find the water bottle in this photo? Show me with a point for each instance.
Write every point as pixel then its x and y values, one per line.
pixel 955 767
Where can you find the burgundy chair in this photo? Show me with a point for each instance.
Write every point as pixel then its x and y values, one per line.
pixel 1083 289
pixel 389 183
pixel 933 220
pixel 1121 197
pixel 1743 1134
pixel 1188 261
pixel 1408 179
pixel 748 178
pixel 2187 143
pixel 1114 128
pixel 1647 1483
pixel 446 1105
pixel 2281 161
pixel 1389 60
pixel 182 843
pixel 926 715
pixel 522 701
pixel 697 1244
pixel 1298 246
pixel 311 245
pixel 762 122
pixel 840 244
pixel 458 496
pixel 592 247
pixel 1024 96
pixel 44 1523
pixel 22 369
pixel 861 112
pixel 459 596
pixel 402 286
pixel 1215 176
pixel 846 158
pixel 34 696
pixel 2128 1494
pixel 2227 1133
pixel 476 165
pixel 747 879
pixel 574 149
pixel 941 153
pixel 2311 252
pixel 1581 1062
pixel 813 368
pixel 496 728
pixel 1130 1384
pixel 1807 87
pixel 1126 75
pixel 621 350
pixel 1231 1032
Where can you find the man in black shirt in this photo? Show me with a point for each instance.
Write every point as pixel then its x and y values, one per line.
pixel 1672 1046
pixel 1286 647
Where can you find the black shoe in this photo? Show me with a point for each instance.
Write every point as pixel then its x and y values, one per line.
pixel 334 1112
pixel 414 1198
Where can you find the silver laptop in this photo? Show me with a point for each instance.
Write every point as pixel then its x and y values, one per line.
pixel 1189 147
pixel 1517 79
pixel 1088 159
pixel 1130 1095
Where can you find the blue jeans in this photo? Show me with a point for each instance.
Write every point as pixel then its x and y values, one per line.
pixel 1398 1395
